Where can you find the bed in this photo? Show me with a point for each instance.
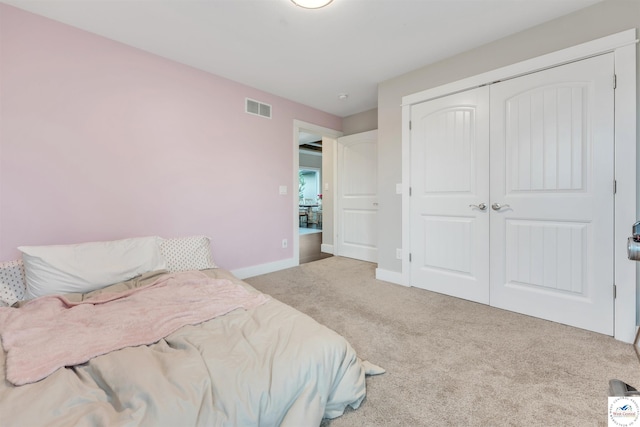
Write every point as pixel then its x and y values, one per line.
pixel 173 340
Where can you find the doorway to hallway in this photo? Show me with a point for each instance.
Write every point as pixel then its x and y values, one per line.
pixel 305 133
pixel 310 197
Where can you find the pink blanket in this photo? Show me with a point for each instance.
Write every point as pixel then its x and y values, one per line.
pixel 51 332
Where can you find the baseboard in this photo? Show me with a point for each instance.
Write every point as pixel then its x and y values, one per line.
pixel 389 276
pixel 256 270
pixel 270 267
pixel 327 249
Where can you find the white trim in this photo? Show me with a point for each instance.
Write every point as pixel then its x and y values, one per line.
pixel 626 194
pixel 406 199
pixel 334 193
pixel 389 276
pixel 623 45
pixel 299 125
pixel 326 248
pixel 256 270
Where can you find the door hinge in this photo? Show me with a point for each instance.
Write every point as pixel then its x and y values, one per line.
pixel 409 124
pixel 615 291
pixel 409 256
pixel 409 191
pixel 615 186
pixel 615 81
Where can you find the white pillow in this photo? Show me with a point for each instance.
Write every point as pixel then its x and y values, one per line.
pixel 12 282
pixel 86 267
pixel 187 253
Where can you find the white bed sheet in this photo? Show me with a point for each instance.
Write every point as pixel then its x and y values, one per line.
pixel 267 366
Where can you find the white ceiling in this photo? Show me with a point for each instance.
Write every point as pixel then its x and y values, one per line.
pixel 308 56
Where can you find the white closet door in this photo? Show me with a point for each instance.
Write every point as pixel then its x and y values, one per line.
pixel 552 170
pixel 450 172
pixel 358 196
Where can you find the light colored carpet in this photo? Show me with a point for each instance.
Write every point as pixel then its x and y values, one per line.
pixel 451 362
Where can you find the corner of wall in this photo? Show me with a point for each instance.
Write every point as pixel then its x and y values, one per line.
pixel 360 122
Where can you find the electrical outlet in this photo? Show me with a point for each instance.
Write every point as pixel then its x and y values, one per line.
pixel 398 253
pixel 284 243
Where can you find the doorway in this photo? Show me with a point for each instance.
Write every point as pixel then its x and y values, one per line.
pixel 310 197
pixel 314 158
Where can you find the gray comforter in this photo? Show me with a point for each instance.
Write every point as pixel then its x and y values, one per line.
pixel 267 366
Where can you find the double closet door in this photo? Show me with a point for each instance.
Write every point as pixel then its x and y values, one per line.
pixel 512 200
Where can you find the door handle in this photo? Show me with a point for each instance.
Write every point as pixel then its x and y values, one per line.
pixel 498 206
pixel 481 206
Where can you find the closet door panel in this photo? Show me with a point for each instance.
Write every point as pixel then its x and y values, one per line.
pixel 449 182
pixel 552 174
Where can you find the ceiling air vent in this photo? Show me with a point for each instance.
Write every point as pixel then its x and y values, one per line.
pixel 258 108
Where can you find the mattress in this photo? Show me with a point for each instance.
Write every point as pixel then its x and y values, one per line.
pixel 268 365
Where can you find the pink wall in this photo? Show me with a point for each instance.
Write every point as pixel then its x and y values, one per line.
pixel 102 141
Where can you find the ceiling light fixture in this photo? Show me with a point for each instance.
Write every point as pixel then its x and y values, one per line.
pixel 311 4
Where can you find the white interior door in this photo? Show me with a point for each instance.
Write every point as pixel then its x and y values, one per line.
pixel 450 195
pixel 357 201
pixel 552 169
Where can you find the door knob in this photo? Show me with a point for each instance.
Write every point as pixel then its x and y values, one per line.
pixel 481 206
pixel 498 206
